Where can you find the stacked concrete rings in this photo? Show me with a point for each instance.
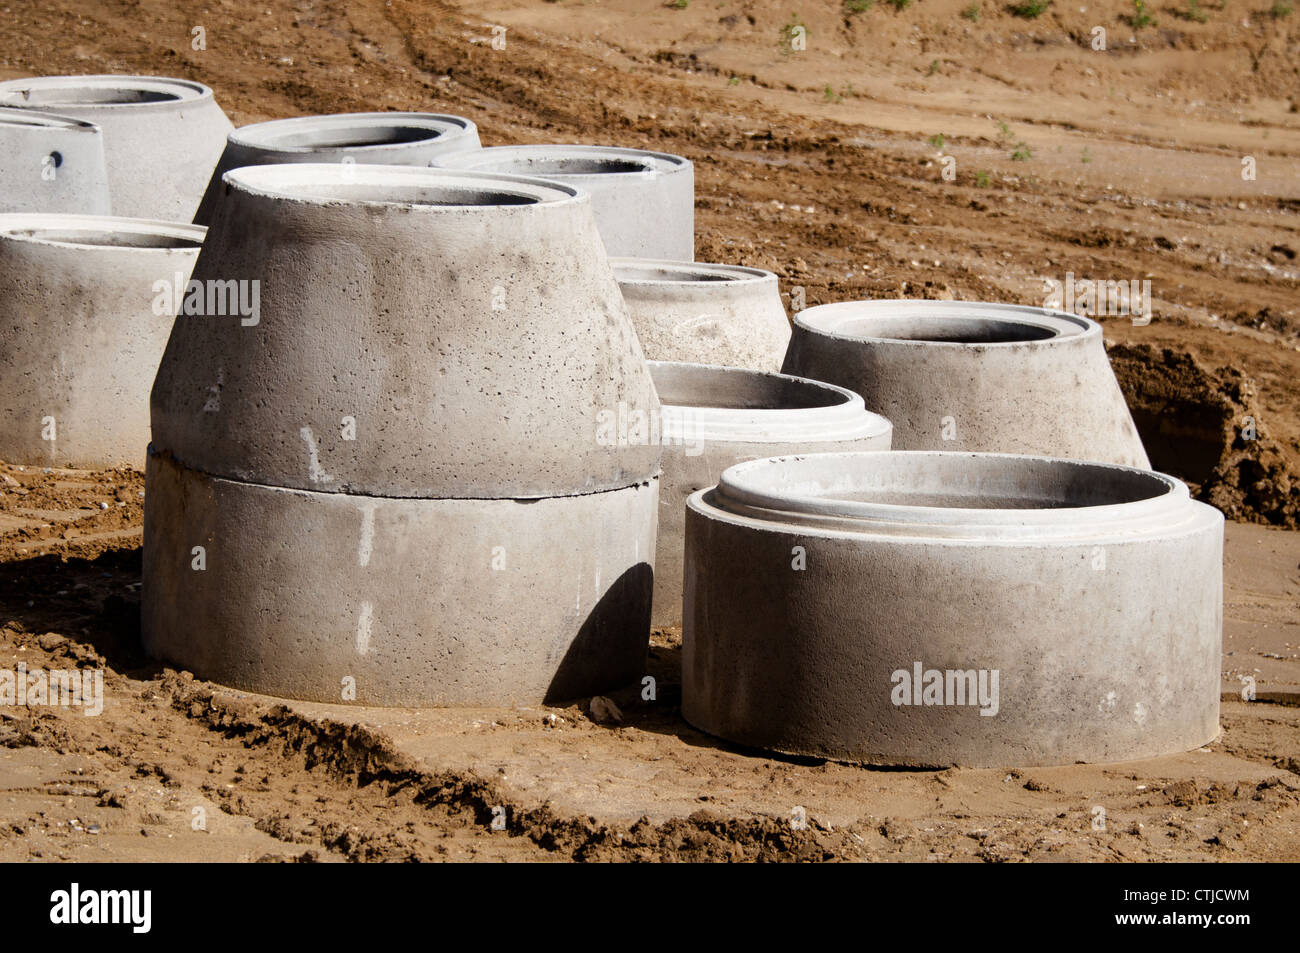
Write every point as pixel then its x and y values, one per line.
pixel 957 375
pixel 86 305
pixel 704 313
pixel 396 464
pixel 162 136
pixel 714 417
pixel 51 163
pixel 366 138
pixel 644 201
pixel 929 608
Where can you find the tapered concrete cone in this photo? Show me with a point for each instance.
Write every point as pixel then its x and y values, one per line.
pixel 52 164
pixel 85 311
pixel 466 324
pixel 162 137
pixel 365 138
pixel 931 608
pixel 700 313
pixel 396 462
pixel 644 201
pixel 959 375
pixel 714 417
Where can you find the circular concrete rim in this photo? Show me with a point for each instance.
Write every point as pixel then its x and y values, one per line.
pixel 63 231
pixel 300 182
pixel 807 490
pixel 303 135
pixel 617 158
pixel 1043 327
pixel 684 277
pixel 831 412
pixel 164 92
pixel 17 116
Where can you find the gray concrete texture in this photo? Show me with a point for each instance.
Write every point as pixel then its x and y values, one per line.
pixel 467 323
pixel 644 202
pixel 714 417
pixel 419 602
pixel 51 164
pixel 698 313
pixel 162 137
pixel 393 138
pixel 817 585
pixel 959 375
pixel 83 324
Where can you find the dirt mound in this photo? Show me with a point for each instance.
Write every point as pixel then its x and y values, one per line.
pixel 1205 427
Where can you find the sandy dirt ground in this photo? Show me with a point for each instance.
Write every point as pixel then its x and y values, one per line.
pixel 826 166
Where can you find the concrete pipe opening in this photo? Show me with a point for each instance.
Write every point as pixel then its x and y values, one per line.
pixel 396 138
pixel 714 417
pixel 150 235
pixel 704 313
pixel 644 202
pixel 162 137
pixel 840 605
pixel 973 376
pixel 397 185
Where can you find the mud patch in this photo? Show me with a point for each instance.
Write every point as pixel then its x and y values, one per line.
pixel 1195 423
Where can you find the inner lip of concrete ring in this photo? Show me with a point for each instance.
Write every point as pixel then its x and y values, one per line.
pixel 309 133
pixel 99 91
pixel 330 182
pixel 950 494
pixel 556 160
pixel 87 232
pixel 10 116
pixel 711 402
pixel 944 323
pixel 656 272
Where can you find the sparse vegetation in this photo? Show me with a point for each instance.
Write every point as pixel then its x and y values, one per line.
pixel 972 13
pixel 852 7
pixel 1193 12
pixel 982 180
pixel 1141 16
pixel 936 140
pixel 734 81
pixel 899 4
pixel 1281 9
pixel 680 4
pixel 1021 153
pixel 1086 157
pixel 792 31
pixel 1030 9
pixel 934 68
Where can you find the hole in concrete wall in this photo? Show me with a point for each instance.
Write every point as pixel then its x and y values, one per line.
pixel 636 272
pixel 92 95
pixel 946 330
pixel 563 165
pixel 684 385
pixel 348 136
pixel 412 194
pixel 107 238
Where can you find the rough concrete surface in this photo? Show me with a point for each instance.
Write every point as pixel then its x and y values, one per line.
pixel 51 163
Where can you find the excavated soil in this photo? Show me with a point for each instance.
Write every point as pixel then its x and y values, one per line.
pixel 826 165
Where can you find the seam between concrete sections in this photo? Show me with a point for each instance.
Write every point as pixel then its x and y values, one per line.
pixel 343 493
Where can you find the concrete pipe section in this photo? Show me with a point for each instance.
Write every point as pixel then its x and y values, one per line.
pixel 86 305
pixel 51 164
pixel 407 462
pixel 644 201
pixel 714 417
pixel 705 314
pixel 366 138
pixel 162 137
pixel 959 375
pixel 929 608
